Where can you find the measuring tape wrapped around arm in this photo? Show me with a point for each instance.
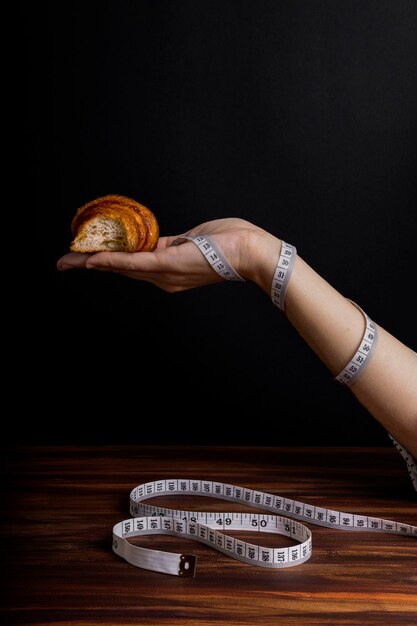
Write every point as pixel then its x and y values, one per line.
pixel 207 527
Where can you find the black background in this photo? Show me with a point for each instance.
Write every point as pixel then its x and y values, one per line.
pixel 300 116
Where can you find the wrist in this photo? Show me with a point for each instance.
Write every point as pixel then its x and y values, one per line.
pixel 260 259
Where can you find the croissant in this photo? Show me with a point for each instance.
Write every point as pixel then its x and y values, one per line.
pixel 114 223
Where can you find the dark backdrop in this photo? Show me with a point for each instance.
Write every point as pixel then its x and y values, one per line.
pixel 300 116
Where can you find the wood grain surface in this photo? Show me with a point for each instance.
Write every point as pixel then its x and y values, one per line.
pixel 59 505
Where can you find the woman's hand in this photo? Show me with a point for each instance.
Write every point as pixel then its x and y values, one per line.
pixel 181 267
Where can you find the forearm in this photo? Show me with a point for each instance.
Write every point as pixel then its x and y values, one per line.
pixel 333 327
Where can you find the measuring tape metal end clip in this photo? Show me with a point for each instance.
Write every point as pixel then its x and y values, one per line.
pixel 188 565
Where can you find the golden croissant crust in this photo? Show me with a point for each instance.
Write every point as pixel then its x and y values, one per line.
pixel 114 222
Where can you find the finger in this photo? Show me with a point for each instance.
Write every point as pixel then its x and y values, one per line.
pixel 78 260
pixel 117 261
pixel 72 260
pixel 123 261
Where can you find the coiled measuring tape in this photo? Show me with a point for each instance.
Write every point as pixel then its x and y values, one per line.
pixel 207 527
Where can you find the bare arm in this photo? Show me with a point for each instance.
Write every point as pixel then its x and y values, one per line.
pixel 331 325
pixel 388 387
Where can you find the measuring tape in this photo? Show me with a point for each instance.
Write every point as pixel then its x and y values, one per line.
pixel 212 254
pixel 356 366
pixel 207 527
pixel 282 274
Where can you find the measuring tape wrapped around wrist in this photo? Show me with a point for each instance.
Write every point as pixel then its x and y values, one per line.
pixel 220 264
pixel 282 274
pixel 206 527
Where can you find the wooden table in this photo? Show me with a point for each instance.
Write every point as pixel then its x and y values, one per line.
pixel 60 504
